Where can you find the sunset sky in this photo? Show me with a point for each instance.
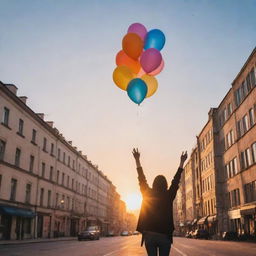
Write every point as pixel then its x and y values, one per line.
pixel 61 54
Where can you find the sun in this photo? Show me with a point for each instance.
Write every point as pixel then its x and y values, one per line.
pixel 133 201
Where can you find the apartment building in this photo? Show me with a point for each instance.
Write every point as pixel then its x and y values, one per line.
pixel 47 187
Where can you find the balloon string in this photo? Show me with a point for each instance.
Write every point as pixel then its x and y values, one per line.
pixel 138 125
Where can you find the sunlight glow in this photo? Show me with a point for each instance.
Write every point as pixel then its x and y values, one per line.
pixel 133 201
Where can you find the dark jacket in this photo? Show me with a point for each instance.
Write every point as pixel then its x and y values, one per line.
pixel 156 213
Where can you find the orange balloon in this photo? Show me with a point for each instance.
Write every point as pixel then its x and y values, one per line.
pixel 132 45
pixel 141 73
pixel 122 59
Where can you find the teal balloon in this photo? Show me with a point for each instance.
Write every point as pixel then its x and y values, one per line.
pixel 155 38
pixel 137 90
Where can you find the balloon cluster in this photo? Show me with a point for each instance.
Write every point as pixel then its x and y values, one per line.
pixel 139 61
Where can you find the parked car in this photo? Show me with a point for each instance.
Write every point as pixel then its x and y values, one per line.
pixel 92 233
pixel 110 233
pixel 230 235
pixel 125 233
pixel 201 233
pixel 136 233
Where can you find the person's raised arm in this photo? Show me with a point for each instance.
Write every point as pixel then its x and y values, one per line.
pixel 176 180
pixel 141 177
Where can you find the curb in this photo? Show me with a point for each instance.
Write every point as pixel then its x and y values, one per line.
pixel 37 241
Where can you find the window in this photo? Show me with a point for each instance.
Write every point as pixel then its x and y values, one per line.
pixel 251 116
pixel 245 124
pixel 58 153
pixel 253 77
pixel 49 198
pixel 248 157
pixel 63 178
pixel 6 114
pixel 68 161
pixel 254 152
pixel 68 181
pixel 230 109
pixel 73 164
pixel 45 145
pixel 52 149
pixel 51 173
pixel 28 193
pixel 239 128
pixel 33 140
pixel 68 202
pixel 229 139
pixel 17 157
pixel 31 163
pixel 73 184
pixel 43 169
pixel 21 125
pixel 2 149
pixel 238 97
pixel 41 196
pixel 64 157
pixel 57 200
pixel 13 189
pixel 57 178
pixel 250 192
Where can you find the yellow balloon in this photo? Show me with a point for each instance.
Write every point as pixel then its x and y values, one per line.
pixel 122 75
pixel 151 83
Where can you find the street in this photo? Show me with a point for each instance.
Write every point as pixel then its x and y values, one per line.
pixel 128 246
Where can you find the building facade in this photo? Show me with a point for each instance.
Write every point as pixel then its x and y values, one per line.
pixel 224 162
pixel 47 187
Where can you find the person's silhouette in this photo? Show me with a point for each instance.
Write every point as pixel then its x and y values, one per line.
pixel 156 214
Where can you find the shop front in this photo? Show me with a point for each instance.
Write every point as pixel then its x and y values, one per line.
pixel 235 223
pixel 16 223
pixel 212 225
pixel 249 217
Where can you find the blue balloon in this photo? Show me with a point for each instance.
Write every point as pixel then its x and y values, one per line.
pixel 155 38
pixel 137 90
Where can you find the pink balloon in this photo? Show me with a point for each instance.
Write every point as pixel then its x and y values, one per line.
pixel 138 29
pixel 150 60
pixel 157 70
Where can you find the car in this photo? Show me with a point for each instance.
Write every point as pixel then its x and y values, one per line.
pixel 136 233
pixel 110 233
pixel 201 233
pixel 91 233
pixel 189 234
pixel 125 233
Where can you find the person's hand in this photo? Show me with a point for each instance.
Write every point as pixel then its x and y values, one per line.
pixel 136 154
pixel 183 158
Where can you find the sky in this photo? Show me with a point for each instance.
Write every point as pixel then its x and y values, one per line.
pixel 61 55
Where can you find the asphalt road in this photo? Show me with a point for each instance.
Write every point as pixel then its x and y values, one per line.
pixel 128 246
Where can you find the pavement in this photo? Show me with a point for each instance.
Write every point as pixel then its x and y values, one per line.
pixel 127 246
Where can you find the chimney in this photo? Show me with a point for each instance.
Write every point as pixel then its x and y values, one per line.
pixel 50 123
pixel 41 115
pixel 80 152
pixel 23 99
pixel 12 88
pixel 70 142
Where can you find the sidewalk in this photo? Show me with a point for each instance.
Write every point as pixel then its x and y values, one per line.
pixel 39 240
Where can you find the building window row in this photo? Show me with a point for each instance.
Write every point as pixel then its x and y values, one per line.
pixel 233 198
pixel 247 121
pixel 248 156
pixel 207 161
pixel 250 192
pixel 230 140
pixel 207 183
pixel 209 207
pixel 245 87
pixel 206 140
pixel 231 168
pixel 225 113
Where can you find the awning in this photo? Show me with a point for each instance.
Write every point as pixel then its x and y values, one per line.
pixel 15 211
pixel 194 222
pixel 248 210
pixel 211 219
pixel 202 220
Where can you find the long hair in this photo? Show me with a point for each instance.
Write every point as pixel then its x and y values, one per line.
pixel 160 184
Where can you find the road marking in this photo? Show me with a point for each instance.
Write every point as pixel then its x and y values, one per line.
pixel 111 253
pixel 180 252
